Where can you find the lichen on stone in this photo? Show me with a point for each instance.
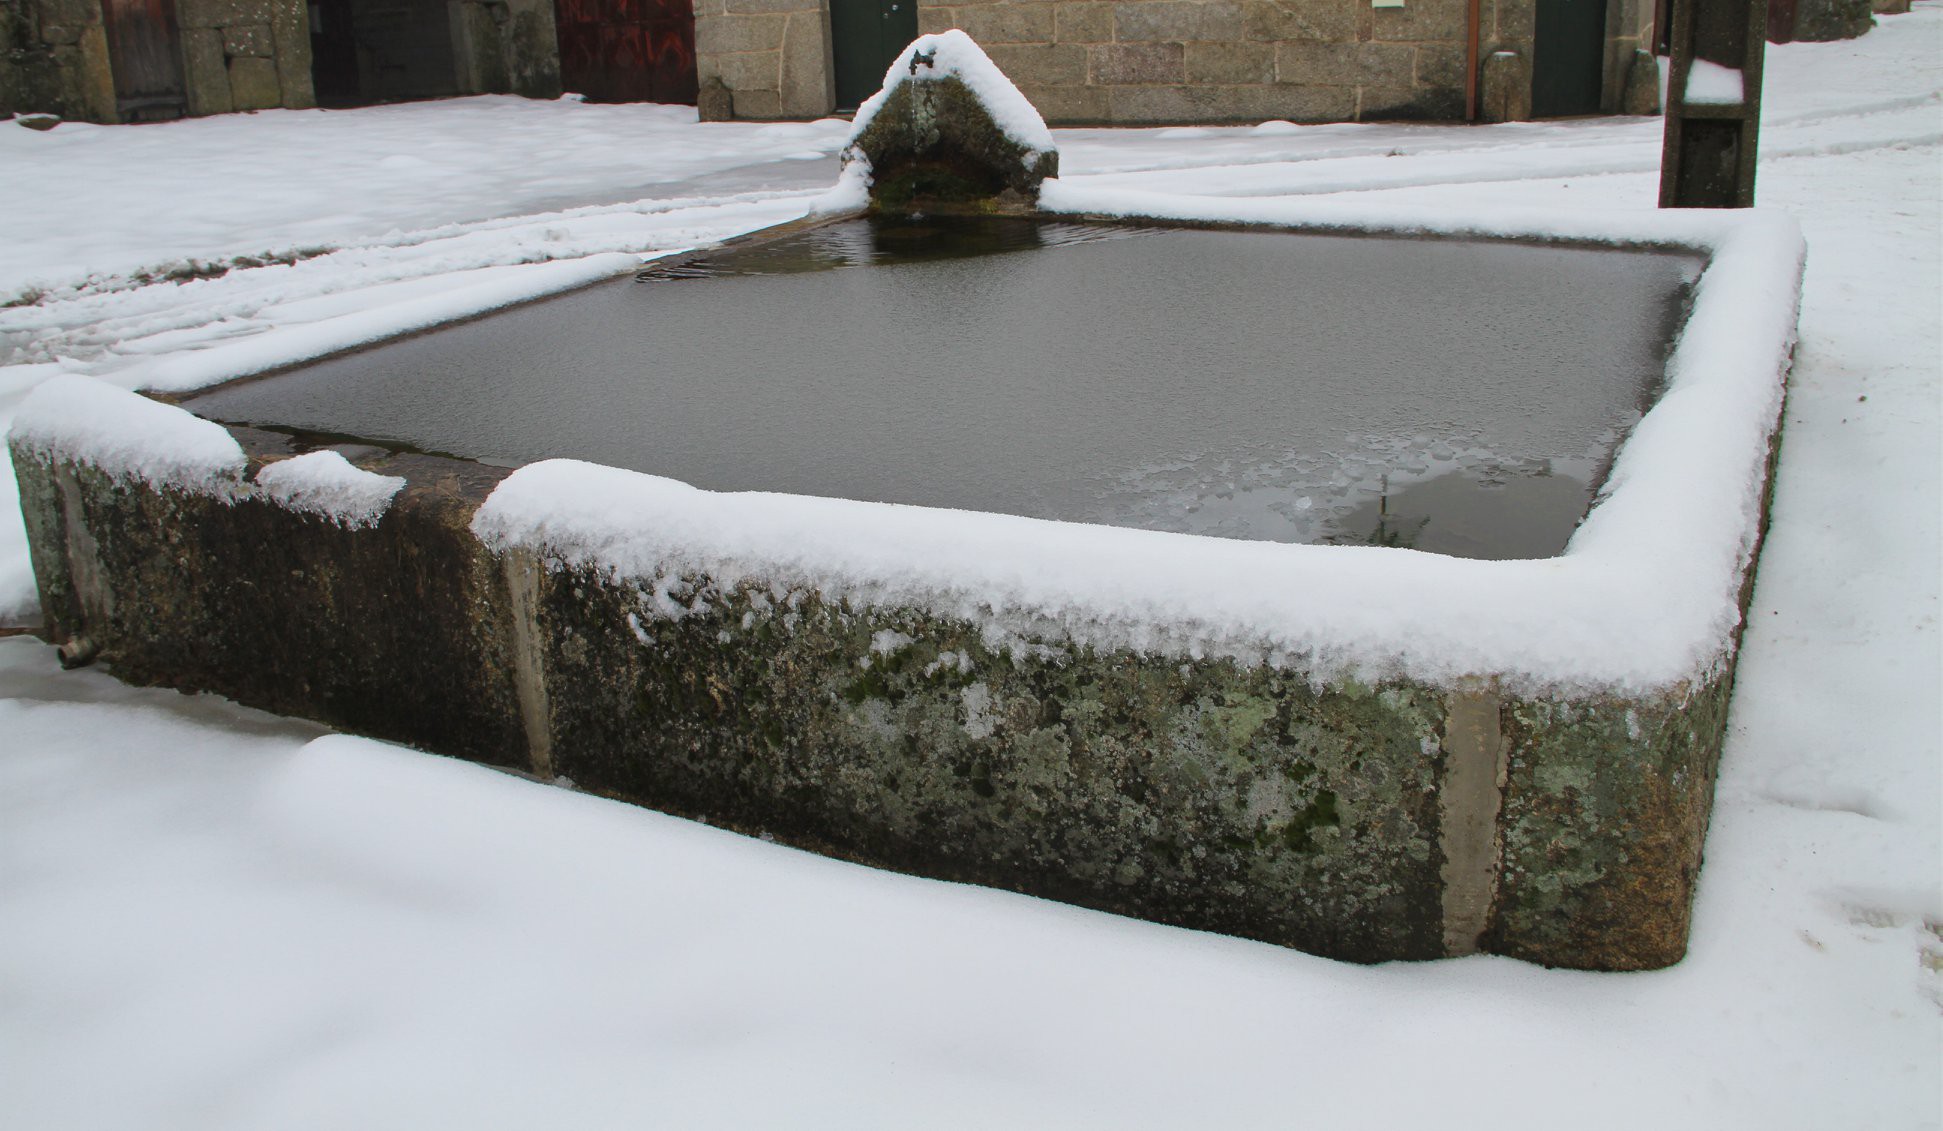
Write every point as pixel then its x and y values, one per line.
pixel 1216 795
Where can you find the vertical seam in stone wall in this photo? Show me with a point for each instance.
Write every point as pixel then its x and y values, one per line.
pixel 781 52
pixel 529 659
pixel 45 519
pixel 1474 776
pixel 94 600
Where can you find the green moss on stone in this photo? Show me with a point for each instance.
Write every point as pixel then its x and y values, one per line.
pixel 934 143
pixel 1604 815
pixel 1214 795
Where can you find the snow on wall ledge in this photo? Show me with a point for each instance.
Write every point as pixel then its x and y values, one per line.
pixel 1710 84
pixel 325 483
pixel 127 436
pixel 1645 599
pixel 132 438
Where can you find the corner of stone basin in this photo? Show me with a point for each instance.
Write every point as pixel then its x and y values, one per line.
pixel 950 131
pixel 333 581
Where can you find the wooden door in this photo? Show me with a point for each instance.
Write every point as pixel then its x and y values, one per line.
pixel 1568 58
pixel 865 35
pixel 142 48
pixel 628 50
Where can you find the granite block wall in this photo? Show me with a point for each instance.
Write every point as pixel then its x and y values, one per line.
pixel 771 57
pixel 235 55
pixel 1161 61
pixel 54 60
pixel 245 55
pixel 1153 62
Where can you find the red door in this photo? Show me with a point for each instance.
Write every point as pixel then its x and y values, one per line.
pixel 628 50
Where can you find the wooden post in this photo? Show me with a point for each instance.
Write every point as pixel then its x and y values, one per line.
pixel 1713 105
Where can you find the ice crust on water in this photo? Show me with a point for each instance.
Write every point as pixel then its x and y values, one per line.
pixel 953 54
pixel 1710 84
pixel 299 340
pixel 72 417
pixel 1645 598
pixel 325 483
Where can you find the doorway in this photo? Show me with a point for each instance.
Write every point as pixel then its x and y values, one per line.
pixel 1568 58
pixel 865 36
pixel 146 60
pixel 368 51
pixel 628 50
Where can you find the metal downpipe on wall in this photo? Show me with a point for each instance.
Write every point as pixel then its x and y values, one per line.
pixel 1471 52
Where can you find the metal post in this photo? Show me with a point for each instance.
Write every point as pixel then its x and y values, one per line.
pixel 1713 124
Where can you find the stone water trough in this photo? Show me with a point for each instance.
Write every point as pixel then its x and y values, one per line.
pixel 1358 581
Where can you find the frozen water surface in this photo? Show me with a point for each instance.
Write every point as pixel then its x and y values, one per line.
pixel 1459 397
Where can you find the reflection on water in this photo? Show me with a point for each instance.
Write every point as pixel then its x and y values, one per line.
pixel 1512 513
pixel 884 240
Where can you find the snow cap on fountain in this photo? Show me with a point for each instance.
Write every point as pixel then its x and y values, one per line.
pixel 949 128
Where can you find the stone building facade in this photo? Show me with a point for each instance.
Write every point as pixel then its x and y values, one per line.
pixel 116 61
pixel 1181 61
pixel 1079 61
pixel 147 60
pixel 54 58
pixel 244 55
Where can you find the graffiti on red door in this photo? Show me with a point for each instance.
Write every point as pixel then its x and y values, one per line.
pixel 628 50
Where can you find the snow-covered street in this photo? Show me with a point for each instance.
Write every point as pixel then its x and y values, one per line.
pixel 214 918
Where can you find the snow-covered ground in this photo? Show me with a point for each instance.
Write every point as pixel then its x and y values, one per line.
pixel 209 920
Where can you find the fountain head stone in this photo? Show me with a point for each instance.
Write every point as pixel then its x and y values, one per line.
pixel 950 131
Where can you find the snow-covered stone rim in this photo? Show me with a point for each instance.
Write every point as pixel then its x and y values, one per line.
pixel 133 439
pixel 1644 600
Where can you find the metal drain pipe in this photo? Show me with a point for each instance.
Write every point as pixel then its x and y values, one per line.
pixel 1470 60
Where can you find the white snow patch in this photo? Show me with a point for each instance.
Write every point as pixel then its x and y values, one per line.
pixel 640 632
pixel 953 54
pixel 1698 230
pixel 129 436
pixel 978 710
pixel 304 180
pixel 889 641
pixel 325 483
pixel 953 660
pixel 851 193
pixel 1710 84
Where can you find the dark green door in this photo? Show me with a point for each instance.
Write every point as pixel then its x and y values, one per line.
pixel 1567 58
pixel 865 36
